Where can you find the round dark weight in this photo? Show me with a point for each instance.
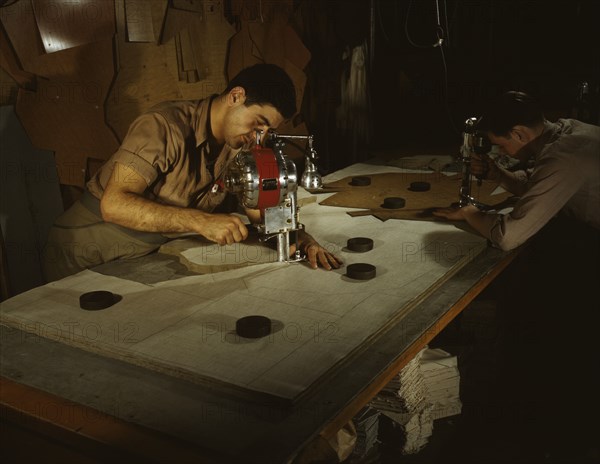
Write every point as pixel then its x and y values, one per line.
pixel 394 202
pixel 253 326
pixel 361 271
pixel 360 244
pixel 361 181
pixel 419 186
pixel 100 299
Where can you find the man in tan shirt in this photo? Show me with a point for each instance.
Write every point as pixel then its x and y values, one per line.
pixel 565 178
pixel 548 319
pixel 160 179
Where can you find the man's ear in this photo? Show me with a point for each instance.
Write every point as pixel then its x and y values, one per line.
pixel 522 134
pixel 236 96
pixel 517 133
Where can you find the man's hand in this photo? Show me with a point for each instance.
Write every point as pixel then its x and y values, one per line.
pixel 484 168
pixel 224 229
pixel 454 214
pixel 123 203
pixel 477 219
pixel 317 255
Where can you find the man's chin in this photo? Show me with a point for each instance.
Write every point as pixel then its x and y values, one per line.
pixel 247 145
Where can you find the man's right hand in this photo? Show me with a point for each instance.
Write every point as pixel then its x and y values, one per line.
pixel 223 229
pixel 123 203
pixel 484 168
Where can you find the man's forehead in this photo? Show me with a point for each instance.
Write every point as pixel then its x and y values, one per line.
pixel 266 111
pixel 262 108
pixel 496 138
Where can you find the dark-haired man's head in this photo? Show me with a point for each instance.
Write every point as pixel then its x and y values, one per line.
pixel 266 84
pixel 512 121
pixel 259 98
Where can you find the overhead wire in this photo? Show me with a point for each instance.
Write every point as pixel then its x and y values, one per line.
pixel 446 99
pixel 407 34
pixel 381 25
pixel 442 34
pixel 446 23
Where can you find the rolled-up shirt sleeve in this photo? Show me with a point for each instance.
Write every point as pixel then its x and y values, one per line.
pixel 150 148
pixel 147 147
pixel 553 182
pixel 513 182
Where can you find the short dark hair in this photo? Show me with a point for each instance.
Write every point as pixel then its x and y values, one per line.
pixel 267 84
pixel 509 110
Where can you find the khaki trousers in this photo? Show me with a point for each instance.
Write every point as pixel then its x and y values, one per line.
pixel 80 239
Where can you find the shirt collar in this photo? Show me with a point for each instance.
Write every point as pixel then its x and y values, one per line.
pixel 535 147
pixel 201 119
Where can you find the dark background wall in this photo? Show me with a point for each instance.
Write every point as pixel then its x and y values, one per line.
pixel 546 48
pixel 419 94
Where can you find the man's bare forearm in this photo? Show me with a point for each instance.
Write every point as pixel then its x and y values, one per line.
pixel 136 212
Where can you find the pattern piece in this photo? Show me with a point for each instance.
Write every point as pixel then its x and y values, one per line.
pixel 443 192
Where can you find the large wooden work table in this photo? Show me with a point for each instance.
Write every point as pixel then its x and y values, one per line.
pixel 112 408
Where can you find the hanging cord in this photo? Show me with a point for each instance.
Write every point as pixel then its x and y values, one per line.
pixel 446 23
pixel 410 40
pixel 446 101
pixel 380 19
pixel 437 12
pixel 441 36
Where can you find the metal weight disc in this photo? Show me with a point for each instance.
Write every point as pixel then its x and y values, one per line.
pixel 419 186
pixel 101 299
pixel 361 181
pixel 253 326
pixel 393 202
pixel 360 244
pixel 361 271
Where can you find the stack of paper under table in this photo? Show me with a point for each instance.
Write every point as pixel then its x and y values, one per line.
pixel 367 428
pixel 427 388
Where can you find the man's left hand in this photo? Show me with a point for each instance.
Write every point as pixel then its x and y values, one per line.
pixel 455 214
pixel 317 255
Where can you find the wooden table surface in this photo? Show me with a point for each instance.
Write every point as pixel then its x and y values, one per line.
pixel 89 401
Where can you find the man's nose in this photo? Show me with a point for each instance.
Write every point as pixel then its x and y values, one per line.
pixel 263 128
